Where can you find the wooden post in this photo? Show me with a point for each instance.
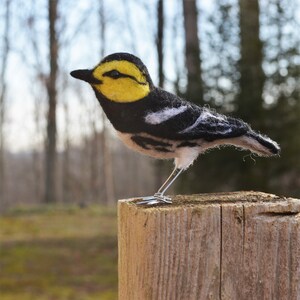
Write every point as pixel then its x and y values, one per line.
pixel 243 245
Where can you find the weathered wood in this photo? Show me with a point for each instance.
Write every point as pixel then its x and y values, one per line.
pixel 243 245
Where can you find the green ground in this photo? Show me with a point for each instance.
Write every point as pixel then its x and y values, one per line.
pixel 58 253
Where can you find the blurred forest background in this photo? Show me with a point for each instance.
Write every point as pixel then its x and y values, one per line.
pixel 240 57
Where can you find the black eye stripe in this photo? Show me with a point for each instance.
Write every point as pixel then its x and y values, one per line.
pixel 116 74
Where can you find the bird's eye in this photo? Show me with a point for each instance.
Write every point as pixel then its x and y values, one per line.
pixel 113 74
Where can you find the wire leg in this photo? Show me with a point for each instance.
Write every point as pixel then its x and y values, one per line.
pixel 159 197
pixel 175 173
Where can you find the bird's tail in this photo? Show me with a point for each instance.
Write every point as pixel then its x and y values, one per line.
pixel 259 144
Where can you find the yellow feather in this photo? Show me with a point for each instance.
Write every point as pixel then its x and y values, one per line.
pixel 121 89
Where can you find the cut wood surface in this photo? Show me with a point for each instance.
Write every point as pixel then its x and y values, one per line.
pixel 242 245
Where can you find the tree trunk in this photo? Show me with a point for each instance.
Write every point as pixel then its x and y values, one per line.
pixel 161 76
pixel 192 52
pixel 109 190
pixel 94 159
pixel 66 178
pixel 252 77
pixel 50 188
pixel 160 42
pixel 6 46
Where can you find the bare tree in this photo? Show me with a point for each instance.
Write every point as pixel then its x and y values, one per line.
pixel 109 191
pixel 36 151
pixel 4 62
pixel 82 178
pixel 50 159
pixel 161 75
pixel 94 175
pixel 37 65
pixel 66 174
pixel 192 52
pixel 252 77
pixel 160 42
pixel 176 51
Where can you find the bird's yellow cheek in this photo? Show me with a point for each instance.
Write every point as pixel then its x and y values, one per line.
pixel 122 89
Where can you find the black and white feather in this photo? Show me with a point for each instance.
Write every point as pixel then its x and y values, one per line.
pixel 163 125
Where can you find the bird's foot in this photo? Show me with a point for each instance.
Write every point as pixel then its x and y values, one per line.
pixel 157 198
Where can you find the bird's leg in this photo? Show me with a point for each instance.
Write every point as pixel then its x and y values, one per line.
pixel 175 173
pixel 159 196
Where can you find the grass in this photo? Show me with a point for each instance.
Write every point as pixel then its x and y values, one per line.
pixel 58 253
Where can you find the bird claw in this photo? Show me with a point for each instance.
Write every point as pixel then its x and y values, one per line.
pixel 156 199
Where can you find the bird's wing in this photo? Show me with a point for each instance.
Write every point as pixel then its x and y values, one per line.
pixel 182 120
pixel 211 126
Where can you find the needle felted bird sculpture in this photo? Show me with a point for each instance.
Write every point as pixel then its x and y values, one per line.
pixel 157 123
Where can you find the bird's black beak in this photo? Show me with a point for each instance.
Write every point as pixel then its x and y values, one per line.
pixel 86 75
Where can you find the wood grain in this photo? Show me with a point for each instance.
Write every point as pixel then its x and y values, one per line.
pixel 243 245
